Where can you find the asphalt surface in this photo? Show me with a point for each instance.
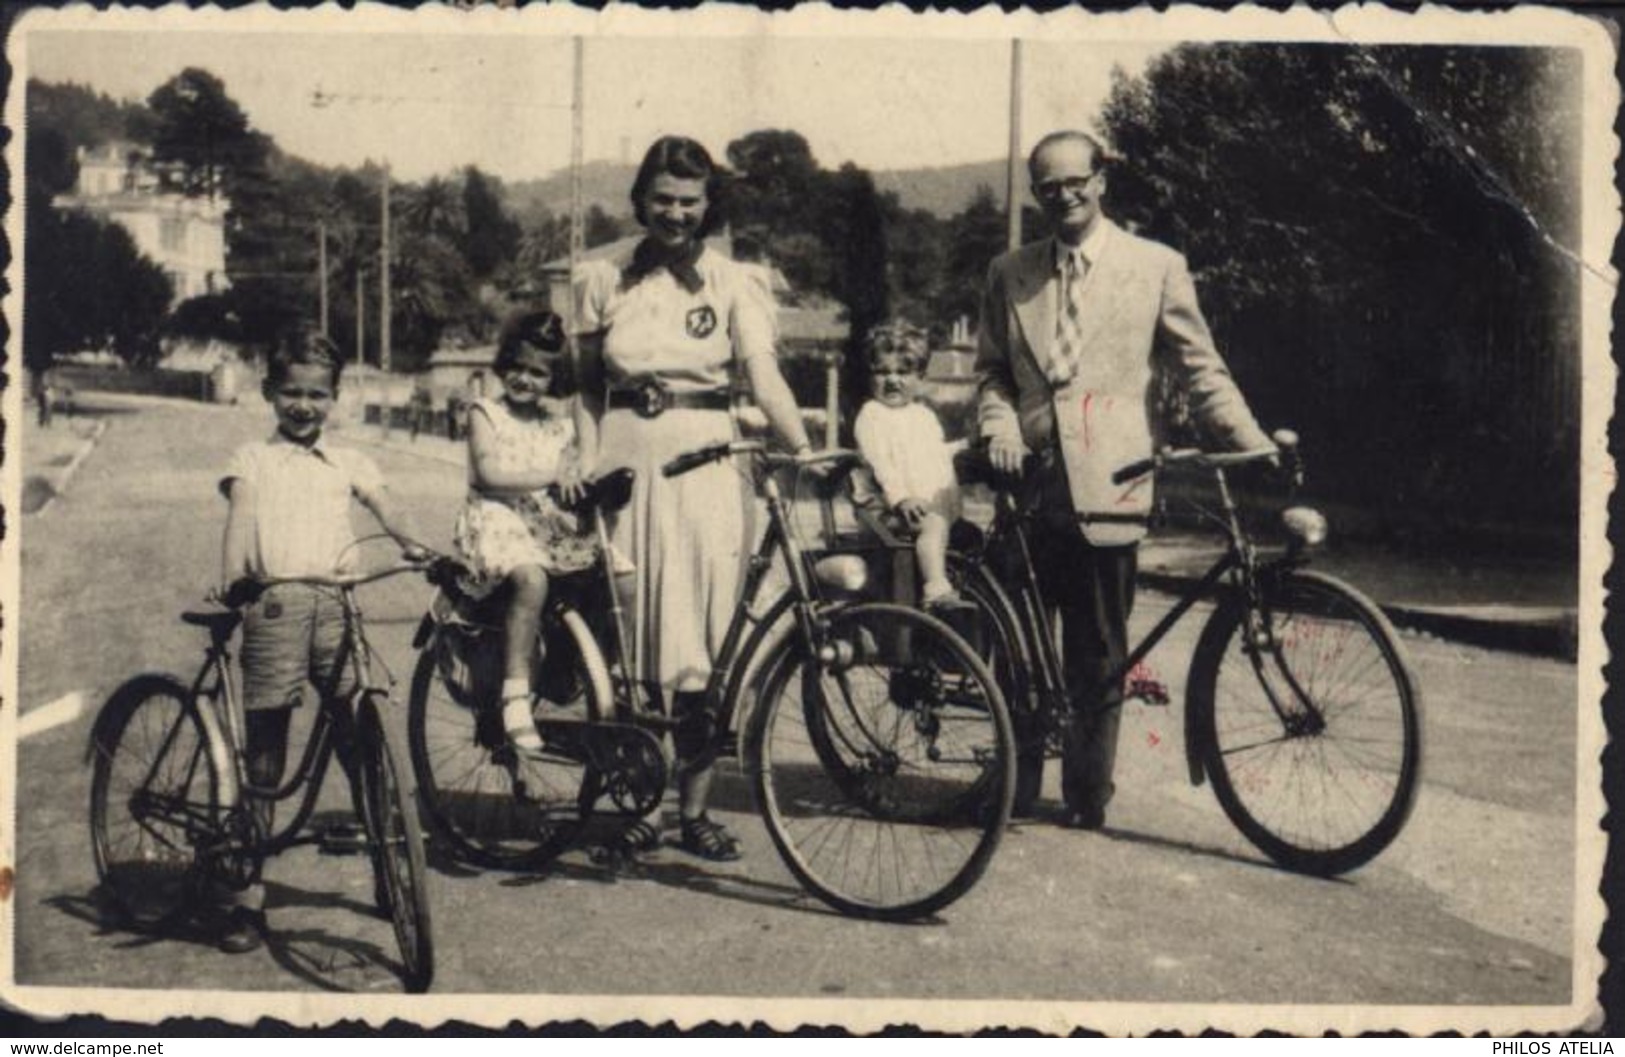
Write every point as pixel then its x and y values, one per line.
pixel 1472 911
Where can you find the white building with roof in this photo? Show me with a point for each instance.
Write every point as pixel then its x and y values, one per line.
pixel 186 237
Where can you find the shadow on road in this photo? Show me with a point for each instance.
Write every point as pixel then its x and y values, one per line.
pixel 94 909
pixel 1203 850
pixel 314 956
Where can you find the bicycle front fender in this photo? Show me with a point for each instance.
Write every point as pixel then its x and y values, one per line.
pixel 1198 683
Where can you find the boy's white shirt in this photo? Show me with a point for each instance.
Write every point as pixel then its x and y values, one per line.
pixel 301 517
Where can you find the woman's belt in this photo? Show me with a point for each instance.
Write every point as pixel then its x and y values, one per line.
pixel 651 397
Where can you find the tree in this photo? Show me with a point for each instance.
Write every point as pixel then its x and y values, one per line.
pixel 975 236
pixel 203 134
pixel 857 231
pixel 778 182
pixel 1377 234
pixel 87 286
pixel 598 228
pixel 491 236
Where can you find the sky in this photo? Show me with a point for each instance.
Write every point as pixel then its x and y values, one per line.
pixel 431 103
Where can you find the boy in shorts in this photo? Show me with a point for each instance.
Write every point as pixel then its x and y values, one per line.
pixel 290 517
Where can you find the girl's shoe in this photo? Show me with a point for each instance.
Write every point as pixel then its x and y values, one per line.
pixel 709 840
pixel 519 725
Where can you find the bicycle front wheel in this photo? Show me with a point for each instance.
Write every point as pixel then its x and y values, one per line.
pixel 389 809
pixel 489 805
pixel 152 799
pixel 884 769
pixel 1309 721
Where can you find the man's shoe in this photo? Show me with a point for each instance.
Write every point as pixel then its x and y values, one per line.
pixel 244 931
pixel 1086 818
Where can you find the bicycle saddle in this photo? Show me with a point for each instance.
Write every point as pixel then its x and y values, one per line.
pixel 220 622
pixel 608 493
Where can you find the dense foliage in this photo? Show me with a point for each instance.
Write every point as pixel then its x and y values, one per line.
pixel 1385 244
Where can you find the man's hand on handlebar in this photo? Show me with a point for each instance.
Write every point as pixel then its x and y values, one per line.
pixel 1007 455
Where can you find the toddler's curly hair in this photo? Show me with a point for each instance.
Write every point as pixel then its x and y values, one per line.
pixel 898 338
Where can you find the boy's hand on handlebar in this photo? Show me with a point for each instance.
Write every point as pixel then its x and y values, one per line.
pixel 238 593
pixel 417 554
pixel 1006 455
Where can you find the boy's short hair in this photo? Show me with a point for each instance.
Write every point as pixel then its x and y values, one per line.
pixel 304 347
pixel 898 338
pixel 544 332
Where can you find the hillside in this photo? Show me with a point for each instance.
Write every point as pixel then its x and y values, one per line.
pixel 941 191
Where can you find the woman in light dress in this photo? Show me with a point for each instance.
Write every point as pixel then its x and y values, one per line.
pixel 667 330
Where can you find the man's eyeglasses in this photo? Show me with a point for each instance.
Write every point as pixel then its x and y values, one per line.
pixel 1052 189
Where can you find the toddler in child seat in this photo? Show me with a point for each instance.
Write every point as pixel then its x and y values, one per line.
pixel 912 463
pixel 511 531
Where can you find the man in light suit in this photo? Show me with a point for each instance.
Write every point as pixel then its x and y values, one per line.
pixel 1075 331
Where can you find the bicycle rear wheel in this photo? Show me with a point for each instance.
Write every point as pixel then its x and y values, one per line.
pixel 486 803
pixel 388 808
pixel 152 799
pixel 885 775
pixel 1310 724
pixel 1002 645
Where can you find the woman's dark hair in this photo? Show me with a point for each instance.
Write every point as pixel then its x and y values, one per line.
pixel 686 159
pixel 543 332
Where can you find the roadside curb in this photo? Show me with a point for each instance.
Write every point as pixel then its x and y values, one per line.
pixel 1552 635
pixel 58 482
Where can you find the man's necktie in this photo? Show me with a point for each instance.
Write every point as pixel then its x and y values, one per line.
pixel 1069 322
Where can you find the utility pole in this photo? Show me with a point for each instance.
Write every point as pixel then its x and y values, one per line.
pixel 383 281
pixel 360 320
pixel 1011 203
pixel 576 240
pixel 321 269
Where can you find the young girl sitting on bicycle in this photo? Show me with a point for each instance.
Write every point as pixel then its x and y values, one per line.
pixel 511 533
pixel 912 463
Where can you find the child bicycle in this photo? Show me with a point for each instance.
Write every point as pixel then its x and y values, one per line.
pixel 1300 705
pixel 174 819
pixel 876 743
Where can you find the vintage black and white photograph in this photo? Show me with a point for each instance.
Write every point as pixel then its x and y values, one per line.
pixel 823 518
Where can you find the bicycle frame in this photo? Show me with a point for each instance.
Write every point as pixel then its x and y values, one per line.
pixel 741 641
pixel 221 712
pixel 1239 564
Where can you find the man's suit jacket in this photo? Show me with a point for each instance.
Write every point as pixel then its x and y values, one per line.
pixel 1140 317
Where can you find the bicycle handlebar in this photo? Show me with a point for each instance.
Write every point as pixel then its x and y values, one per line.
pixel 248 589
pixel 1286 443
pixel 692 460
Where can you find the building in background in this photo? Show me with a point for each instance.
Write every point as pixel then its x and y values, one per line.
pixel 186 237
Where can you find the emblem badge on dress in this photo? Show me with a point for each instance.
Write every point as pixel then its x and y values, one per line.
pixel 701 322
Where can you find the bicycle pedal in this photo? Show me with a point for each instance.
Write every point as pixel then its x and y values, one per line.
pixel 1151 691
pixel 342 838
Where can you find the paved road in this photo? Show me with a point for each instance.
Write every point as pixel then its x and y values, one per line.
pixel 1169 905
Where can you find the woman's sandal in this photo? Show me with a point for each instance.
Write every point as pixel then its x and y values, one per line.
pixel 621 853
pixel 641 836
pixel 709 840
pixel 520 726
